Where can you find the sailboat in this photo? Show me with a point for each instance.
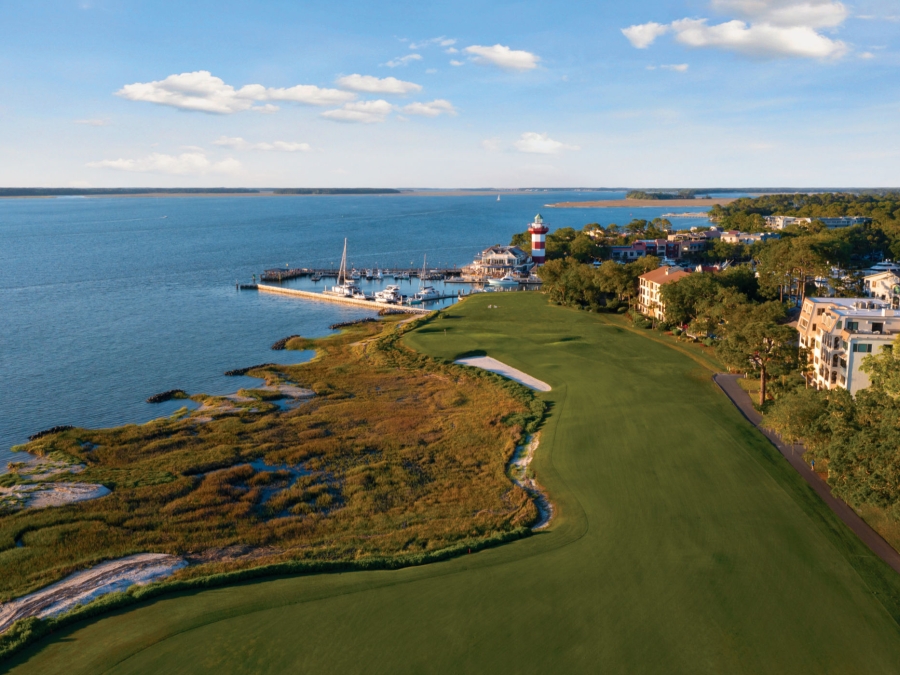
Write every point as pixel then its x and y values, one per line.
pixel 498 198
pixel 426 292
pixel 345 288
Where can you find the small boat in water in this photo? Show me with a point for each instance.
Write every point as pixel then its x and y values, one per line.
pixel 507 280
pixel 345 287
pixel 426 292
pixel 354 275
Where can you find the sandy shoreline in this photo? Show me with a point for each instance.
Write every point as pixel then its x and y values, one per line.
pixel 642 203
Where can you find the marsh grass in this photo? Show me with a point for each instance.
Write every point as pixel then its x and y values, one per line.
pixel 401 454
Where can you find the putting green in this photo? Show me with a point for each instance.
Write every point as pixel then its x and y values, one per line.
pixel 682 544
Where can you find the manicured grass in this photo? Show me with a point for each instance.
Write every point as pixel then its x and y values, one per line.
pixel 683 544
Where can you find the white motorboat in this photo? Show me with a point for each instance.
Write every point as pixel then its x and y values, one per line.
pixel 389 296
pixel 354 275
pixel 378 275
pixel 507 280
pixel 426 292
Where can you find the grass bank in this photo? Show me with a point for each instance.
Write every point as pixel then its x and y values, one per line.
pixel 683 543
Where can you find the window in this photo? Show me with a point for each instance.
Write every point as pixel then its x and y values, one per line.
pixel 844 364
pixel 852 325
pixel 878 327
pixel 843 344
pixel 862 348
pixel 820 311
pixel 833 376
pixel 834 360
pixel 837 342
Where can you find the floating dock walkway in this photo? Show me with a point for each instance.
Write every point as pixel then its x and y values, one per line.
pixel 322 297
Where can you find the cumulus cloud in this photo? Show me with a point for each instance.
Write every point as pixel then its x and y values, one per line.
pixel 454 62
pixel 431 109
pixel 758 39
pixel 765 28
pixel 239 143
pixel 541 144
pixel 677 67
pixel 96 122
pixel 187 163
pixel 375 85
pixel 440 41
pixel 645 34
pixel 403 60
pixel 503 57
pixel 363 112
pixel 202 92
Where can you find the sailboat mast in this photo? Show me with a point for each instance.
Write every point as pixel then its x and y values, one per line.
pixel 342 273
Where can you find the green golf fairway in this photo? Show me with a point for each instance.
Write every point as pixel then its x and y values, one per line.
pixel 682 543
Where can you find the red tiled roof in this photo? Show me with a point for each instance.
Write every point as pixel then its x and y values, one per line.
pixel 665 275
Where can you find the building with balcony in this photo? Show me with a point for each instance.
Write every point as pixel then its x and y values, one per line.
pixel 735 237
pixel 497 261
pixel 781 222
pixel 650 285
pixel 884 286
pixel 839 333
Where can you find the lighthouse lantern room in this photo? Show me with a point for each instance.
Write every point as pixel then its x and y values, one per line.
pixel 538 238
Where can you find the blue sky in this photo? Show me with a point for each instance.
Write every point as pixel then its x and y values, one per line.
pixel 504 94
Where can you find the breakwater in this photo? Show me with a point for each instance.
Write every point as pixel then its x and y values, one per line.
pixel 321 297
pixel 347 324
pixel 167 396
pixel 243 371
pixel 51 430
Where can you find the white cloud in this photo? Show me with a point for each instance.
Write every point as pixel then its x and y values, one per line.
pixel 765 28
pixel 403 60
pixel 96 122
pixel 364 112
pixel 787 13
pixel 677 67
pixel 454 62
pixel 186 163
pixel 278 146
pixel 503 57
pixel 491 144
pixel 201 91
pixel 374 85
pixel 867 55
pixel 541 144
pixel 758 39
pixel 644 35
pixel 430 109
pixel 441 41
pixel 451 50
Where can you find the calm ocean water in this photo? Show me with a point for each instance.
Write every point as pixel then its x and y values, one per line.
pixel 104 302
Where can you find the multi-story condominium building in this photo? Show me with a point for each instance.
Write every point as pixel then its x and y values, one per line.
pixel 781 222
pixel 650 285
pixel 735 237
pixel 839 333
pixel 884 286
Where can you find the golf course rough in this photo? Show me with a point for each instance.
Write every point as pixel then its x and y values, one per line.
pixel 682 543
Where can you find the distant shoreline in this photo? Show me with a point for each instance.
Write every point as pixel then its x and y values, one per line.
pixel 642 203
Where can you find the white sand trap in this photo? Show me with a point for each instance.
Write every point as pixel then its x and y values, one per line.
pixel 495 366
pixel 82 587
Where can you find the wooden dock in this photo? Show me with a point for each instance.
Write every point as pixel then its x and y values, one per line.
pixel 298 272
pixel 322 297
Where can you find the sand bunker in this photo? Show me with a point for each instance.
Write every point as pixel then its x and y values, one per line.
pixel 495 366
pixel 83 587
pixel 42 495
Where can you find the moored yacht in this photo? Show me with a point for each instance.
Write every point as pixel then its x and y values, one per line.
pixel 507 280
pixel 345 287
pixel 389 296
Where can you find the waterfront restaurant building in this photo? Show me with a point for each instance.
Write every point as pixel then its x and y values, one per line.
pixel 497 261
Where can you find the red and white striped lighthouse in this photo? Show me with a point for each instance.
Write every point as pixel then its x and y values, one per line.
pixel 538 233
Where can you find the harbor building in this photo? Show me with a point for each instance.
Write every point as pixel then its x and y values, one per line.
pixel 498 261
pixel 649 301
pixel 538 240
pixel 839 333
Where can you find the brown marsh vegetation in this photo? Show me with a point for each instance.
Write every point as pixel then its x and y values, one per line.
pixel 397 454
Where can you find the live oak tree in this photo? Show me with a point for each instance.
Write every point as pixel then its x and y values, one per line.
pixel 756 342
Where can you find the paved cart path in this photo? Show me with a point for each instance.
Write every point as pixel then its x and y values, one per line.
pixel 794 455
